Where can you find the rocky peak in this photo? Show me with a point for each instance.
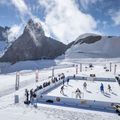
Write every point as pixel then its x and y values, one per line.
pixel 34 28
pixel 33 45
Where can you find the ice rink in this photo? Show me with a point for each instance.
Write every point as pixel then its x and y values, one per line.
pixel 92 93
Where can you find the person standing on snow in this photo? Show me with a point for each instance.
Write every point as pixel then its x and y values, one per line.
pixel 27 96
pixel 67 81
pixel 109 88
pixel 84 85
pixel 78 93
pixel 31 96
pixel 62 90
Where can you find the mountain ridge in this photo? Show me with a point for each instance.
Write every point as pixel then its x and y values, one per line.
pixel 33 45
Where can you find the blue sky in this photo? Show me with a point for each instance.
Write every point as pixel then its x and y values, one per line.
pixel 64 20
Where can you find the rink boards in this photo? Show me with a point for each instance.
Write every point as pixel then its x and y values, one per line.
pixel 51 94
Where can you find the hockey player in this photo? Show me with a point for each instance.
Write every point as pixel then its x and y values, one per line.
pixel 102 88
pixel 84 85
pixel 67 81
pixel 78 93
pixel 63 82
pixel 109 88
pixel 62 90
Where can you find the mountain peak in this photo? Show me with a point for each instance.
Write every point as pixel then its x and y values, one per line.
pixel 33 45
pixel 34 27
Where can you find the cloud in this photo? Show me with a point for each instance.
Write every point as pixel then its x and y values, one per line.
pixel 14 32
pixel 85 3
pixel 65 20
pixel 115 15
pixel 45 28
pixel 24 10
pixel 20 5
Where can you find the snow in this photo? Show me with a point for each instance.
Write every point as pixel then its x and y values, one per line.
pixel 11 111
pixel 26 65
pixel 85 35
pixel 19 112
pixel 100 49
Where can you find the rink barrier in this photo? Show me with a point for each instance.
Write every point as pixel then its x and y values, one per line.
pixel 95 78
pixel 93 104
pixel 50 87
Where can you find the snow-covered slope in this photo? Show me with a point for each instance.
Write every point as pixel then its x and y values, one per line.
pixel 94 46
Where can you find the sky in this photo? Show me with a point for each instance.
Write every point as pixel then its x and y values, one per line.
pixel 63 20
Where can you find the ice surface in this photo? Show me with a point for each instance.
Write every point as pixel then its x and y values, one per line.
pixel 92 93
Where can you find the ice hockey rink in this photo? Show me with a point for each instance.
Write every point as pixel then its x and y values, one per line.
pixel 92 93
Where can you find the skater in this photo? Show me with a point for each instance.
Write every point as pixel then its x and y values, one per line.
pixel 78 93
pixel 63 82
pixel 84 85
pixel 35 100
pixel 62 90
pixel 102 88
pixel 109 88
pixel 67 81
pixel 27 97
pixel 31 96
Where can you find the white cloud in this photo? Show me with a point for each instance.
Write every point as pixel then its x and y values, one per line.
pixel 14 32
pixel 20 5
pixel 85 3
pixel 45 28
pixel 115 17
pixel 65 20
